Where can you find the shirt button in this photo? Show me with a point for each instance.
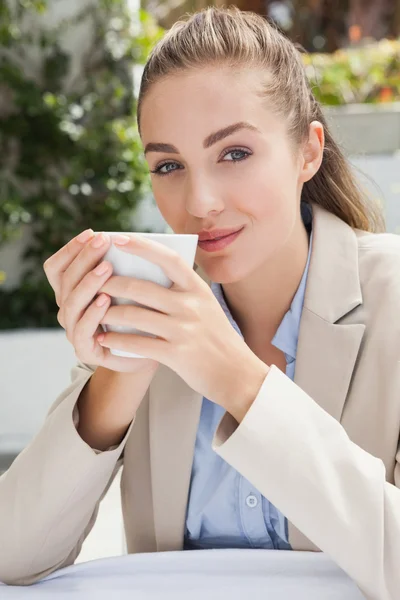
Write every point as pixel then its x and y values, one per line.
pixel 251 501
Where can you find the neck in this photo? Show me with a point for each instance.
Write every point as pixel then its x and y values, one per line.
pixel 259 302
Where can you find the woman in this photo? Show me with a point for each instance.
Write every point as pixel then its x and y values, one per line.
pixel 272 389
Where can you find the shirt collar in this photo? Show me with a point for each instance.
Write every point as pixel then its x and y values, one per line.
pixel 287 335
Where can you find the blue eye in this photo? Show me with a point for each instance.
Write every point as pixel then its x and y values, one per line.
pixel 158 170
pixel 243 154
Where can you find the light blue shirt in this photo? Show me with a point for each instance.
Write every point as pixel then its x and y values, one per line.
pixel 224 509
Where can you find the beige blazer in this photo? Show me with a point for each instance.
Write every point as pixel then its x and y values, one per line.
pixel 323 449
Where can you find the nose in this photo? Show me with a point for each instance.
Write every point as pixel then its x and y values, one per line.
pixel 202 199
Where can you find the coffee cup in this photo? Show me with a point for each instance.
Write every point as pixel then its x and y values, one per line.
pixel 130 265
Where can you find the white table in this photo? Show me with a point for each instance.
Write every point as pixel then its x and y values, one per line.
pixel 196 575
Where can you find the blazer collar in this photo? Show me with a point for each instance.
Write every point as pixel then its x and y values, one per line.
pixel 328 348
pixel 333 286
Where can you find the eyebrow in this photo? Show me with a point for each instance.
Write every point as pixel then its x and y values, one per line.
pixel 208 142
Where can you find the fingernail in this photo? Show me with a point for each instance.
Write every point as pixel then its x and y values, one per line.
pixel 99 240
pixel 122 240
pixel 101 300
pixel 85 236
pixel 102 268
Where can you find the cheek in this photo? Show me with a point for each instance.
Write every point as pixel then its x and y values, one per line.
pixel 270 204
pixel 269 195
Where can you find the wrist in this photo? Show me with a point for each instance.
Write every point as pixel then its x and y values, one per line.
pixel 108 404
pixel 245 385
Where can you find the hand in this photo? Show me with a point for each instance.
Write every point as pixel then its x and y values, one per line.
pixel 72 274
pixel 194 337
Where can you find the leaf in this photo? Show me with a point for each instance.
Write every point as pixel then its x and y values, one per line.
pixel 349 75
pixel 66 142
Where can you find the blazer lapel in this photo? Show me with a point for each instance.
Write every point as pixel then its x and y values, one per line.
pixel 328 348
pixel 174 417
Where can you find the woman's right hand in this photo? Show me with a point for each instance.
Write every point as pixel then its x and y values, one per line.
pixel 72 274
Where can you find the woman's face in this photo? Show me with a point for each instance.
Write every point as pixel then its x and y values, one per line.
pixel 248 177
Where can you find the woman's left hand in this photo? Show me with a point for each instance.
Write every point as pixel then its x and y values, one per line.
pixel 194 337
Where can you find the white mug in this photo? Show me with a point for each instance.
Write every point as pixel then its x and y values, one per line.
pixel 129 265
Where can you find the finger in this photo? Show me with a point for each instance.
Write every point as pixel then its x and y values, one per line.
pixel 143 319
pixel 60 261
pixel 60 317
pixel 87 260
pixel 82 296
pixel 147 293
pixel 84 337
pixel 90 351
pixel 173 265
pixel 154 348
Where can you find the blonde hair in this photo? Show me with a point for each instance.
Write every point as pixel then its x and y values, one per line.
pixel 228 36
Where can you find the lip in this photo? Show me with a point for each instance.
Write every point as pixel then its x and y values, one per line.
pixel 215 245
pixel 205 235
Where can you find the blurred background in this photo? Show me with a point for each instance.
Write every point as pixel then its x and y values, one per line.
pixel 71 158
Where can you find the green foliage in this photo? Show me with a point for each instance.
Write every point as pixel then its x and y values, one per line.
pixel 368 74
pixel 71 159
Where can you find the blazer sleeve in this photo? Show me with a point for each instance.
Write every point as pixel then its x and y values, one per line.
pixel 50 496
pixel 334 492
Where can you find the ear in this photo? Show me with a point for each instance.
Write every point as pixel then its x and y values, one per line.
pixel 312 152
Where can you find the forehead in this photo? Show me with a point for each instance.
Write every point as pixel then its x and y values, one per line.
pixel 200 102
